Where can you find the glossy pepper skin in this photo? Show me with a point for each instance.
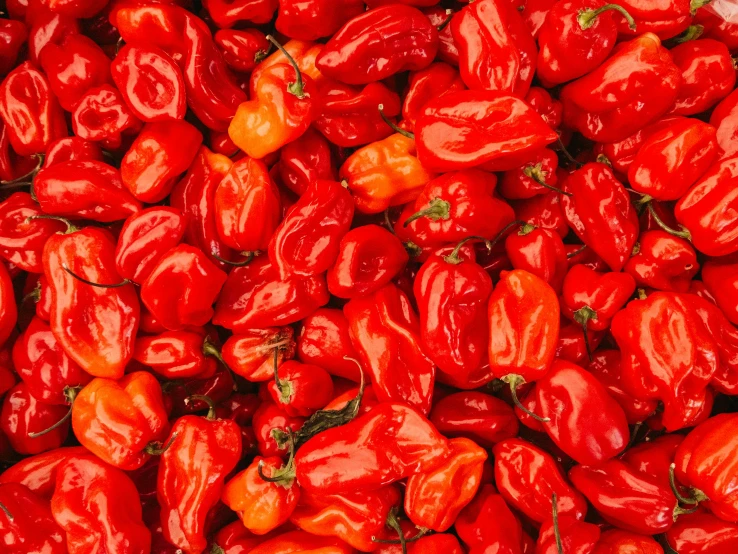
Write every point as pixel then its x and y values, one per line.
pixel 82 506
pixel 241 49
pixel 600 213
pixel 297 541
pixel 363 455
pixel 474 415
pixel 402 39
pixel 269 419
pixel 469 128
pixel 250 354
pixel 13 35
pixel 699 533
pixel 434 499
pixel 530 490
pixel 426 84
pixel 306 160
pixel 706 461
pixel 540 252
pixel 663 262
pixel 525 181
pixel 95 326
pixel 30 111
pixel 72 148
pixel 307 240
pixel 176 354
pixel 575 536
pixel 487 522
pixel 315 19
pixel 452 207
pixel 368 258
pixel 671 159
pixel 615 541
pixel 595 297
pixel 31 529
pixel 117 420
pixel 38 472
pixel 8 307
pixel 704 210
pixel 651 506
pixel 226 14
pixel 301 389
pixel 255 297
pixel 102 116
pixel 451 294
pixel 496 50
pixel 191 476
pixel 247 206
pixel 724 118
pixel 585 421
pixel 183 272
pixel 385 332
pixel 324 340
pixel 720 277
pixel 634 87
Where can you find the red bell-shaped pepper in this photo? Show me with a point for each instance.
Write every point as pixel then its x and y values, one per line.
pixel 306 160
pixel 544 211
pixel 540 252
pixel 536 176
pixel 324 340
pixel 696 533
pixel 26 523
pixel 102 116
pixel 270 421
pixel 315 19
pixel 250 354
pixel 177 354
pixel 301 389
pixel 488 523
pixel 38 472
pixel 386 335
pixel 663 262
pixel 425 85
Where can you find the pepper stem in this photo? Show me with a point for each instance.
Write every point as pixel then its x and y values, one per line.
pixel 566 153
pixel 248 254
pixel 7 512
pixel 123 283
pixel 526 229
pixel 157 449
pixel 394 524
pixel 70 393
pixel 297 88
pixel 449 16
pixel 693 32
pixel 586 18
pixel 209 401
pixel 697 495
pixel 34 295
pixel 576 252
pixel 601 158
pixel 209 349
pixel 284 387
pixel 438 208
pixel 216 549
pixel 422 531
pixel 695 5
pixel 582 316
pixel 515 381
pixel 454 258
pixel 27 179
pixel 536 173
pixel 70 228
pixel 394 127
pixel 504 231
pixel 683 233
pixel 555 517
pixel 285 475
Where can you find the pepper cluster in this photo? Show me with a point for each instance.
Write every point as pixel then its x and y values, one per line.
pixel 392 276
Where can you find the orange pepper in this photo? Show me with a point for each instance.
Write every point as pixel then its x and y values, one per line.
pixel 302 51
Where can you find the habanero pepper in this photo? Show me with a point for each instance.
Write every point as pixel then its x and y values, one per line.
pixel 699 532
pixel 177 354
pixel 540 252
pixel 663 262
pixel 13 35
pixel 26 523
pixel 302 51
pixel 46 27
pixel 72 148
pixel 573 534
pixel 316 18
pixel 536 176
pixel 300 541
pixel 616 541
pixel 271 421
pixel 102 116
pixel 38 472
pixel 191 475
pixel 425 85
pixel 545 106
pixel 301 389
pixel 655 457
pixel 305 160
pixel 720 277
pixel 324 340
pixel 8 307
pixel 543 211
pixel 487 522
pixel 242 49
pixel 250 354
pixel 665 19
pixel 725 120
pixel 440 18
pixel 226 14
pixel 385 331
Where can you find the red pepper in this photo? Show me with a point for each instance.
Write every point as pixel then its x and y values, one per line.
pixel 453 207
pixel 470 128
pixel 300 541
pixel 666 19
pixel 720 277
pixel 713 26
pixel 447 49
pixel 301 389
pixel 234 538
pixel 425 85
pixel 242 49
pixel 38 472
pixel 247 207
pixel 194 196
pixel 145 238
pixel 368 258
pixel 348 115
pixel 615 541
pixel 548 108
pixel 606 368
pixel 31 113
pixel 488 523
pixel 183 272
pixel 434 499
pixel 573 346
pixel 705 209
pixel 536 176
pixel 575 536
pixel 306 160
pixel 654 458
pixel 46 27
pixel 251 354
pixel 576 38
pixel 13 166
pixel 44 367
pixel 68 149
pixel 700 533
pixel 101 115
pixel 324 341
pixel 26 524
pixel 302 52
pixel 386 335
pixel 540 252
pixel 651 507
pixel 354 517
pixel 192 472
pixel 316 18
pixel 600 213
pixel 150 82
pixel 8 307
pixel 255 297
pixel 98 507
pixel 527 477
pixel 217 387
pixel 725 120
pixel 672 158
pixel 634 87
pixel 226 14
pixel 452 293
pixel 13 35
pixel 96 326
pixel 177 354
pixel 23 416
pixel 269 421
pixel 496 50
pixel 543 211
pixel 585 421
pixel 84 189
pixel 401 39
pixel 663 262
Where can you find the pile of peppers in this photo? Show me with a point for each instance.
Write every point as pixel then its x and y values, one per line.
pixel 390 276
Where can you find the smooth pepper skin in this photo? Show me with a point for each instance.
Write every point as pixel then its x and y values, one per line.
pixel 720 276
pixel 705 210
pixel 316 18
pixel 434 499
pixel 469 128
pixel 528 476
pixel 663 262
pixel 13 35
pixel 247 206
pixel 324 340
pixel 250 354
pixel 523 316
pixel 307 241
pixel 701 533
pixel 95 326
pixel 31 529
pixel 72 148
pixel 241 48
pixel 385 332
pixel 724 118
pixel 585 421
pixel 102 116
pixel 625 497
pixel 379 43
pixel 38 472
pixel 706 460
pixel 488 523
pixel 426 84
pixel 191 475
pixel 600 212
pixel 391 442
pixel 182 273
pixel 617 541
pixel 671 159
pixel 8 307
pixel 496 50
pixel 116 420
pixel 576 536
pixel 175 354
pixel 634 87
pixel 306 160
pixel 99 508
pixel 302 389
pixel 301 541
pixel 540 252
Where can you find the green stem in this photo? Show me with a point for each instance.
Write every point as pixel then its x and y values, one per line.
pixel 297 88
pixel 586 18
pixel 157 449
pixel 70 228
pixel 123 283
pixel 555 516
pixel 454 258
pixel 70 393
pixel 576 252
pixel 515 381
pixel 248 254
pixel 536 173
pixel 449 16
pixel 697 495
pixel 684 233
pixel 209 401
pixel 394 127
pixel 437 209
pixel 7 512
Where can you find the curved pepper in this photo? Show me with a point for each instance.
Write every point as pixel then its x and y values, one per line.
pixel 227 13
pixel 102 116
pixel 38 472
pixel 474 415
pixel 426 84
pixel 699 533
pixel 26 523
pixel 177 354
pixel 488 523
pixel 663 262
pixel 68 149
pixel 316 18
pixel 242 49
pixel 324 340
pixel 306 160
pixel 300 541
